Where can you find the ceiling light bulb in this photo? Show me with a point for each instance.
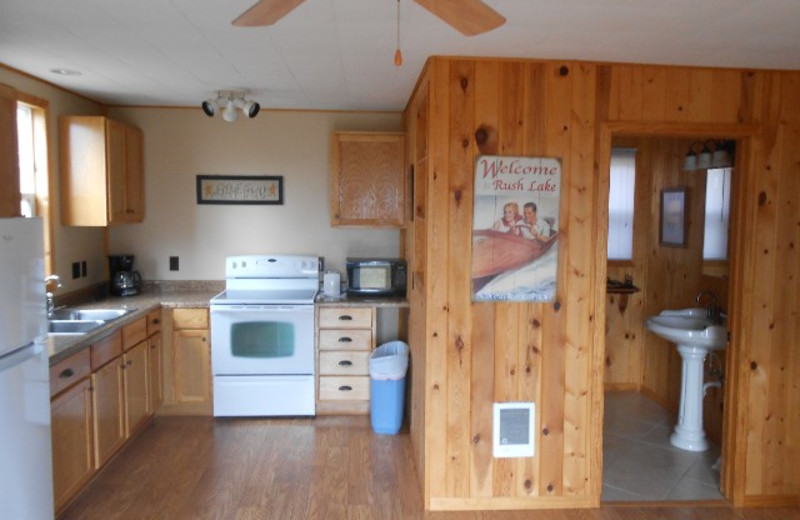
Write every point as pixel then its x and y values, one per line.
pixel 209 107
pixel 398 58
pixel 251 108
pixel 229 114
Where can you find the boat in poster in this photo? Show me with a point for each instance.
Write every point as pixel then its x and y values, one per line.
pixel 515 228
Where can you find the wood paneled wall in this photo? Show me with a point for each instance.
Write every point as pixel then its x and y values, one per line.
pixel 469 355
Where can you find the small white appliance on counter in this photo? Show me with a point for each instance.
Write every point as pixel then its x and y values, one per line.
pixel 262 336
pixel 26 475
pixel 332 284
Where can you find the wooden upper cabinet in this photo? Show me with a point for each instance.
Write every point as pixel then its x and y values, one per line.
pixel 9 162
pixel 102 173
pixel 368 185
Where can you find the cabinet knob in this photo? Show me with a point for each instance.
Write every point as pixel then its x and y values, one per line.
pixel 155 321
pixel 66 373
pixel 345 388
pixel 345 317
pixel 345 363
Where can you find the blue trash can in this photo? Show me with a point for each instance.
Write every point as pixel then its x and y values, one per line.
pixel 388 365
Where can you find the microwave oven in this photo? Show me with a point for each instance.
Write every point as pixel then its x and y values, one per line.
pixel 376 276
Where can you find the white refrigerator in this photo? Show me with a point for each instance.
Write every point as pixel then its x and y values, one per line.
pixel 26 475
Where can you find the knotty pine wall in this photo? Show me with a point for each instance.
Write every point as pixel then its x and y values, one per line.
pixel 468 355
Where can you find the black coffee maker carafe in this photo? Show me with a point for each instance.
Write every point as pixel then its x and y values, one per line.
pixel 124 281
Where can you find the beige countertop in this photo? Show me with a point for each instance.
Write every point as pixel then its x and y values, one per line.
pixel 354 301
pixel 62 346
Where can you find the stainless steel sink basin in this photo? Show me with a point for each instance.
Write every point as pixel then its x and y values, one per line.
pixel 89 314
pixel 73 326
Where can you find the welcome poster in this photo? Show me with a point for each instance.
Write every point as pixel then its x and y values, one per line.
pixel 515 228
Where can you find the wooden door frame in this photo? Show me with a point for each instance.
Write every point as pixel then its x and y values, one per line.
pixel 732 445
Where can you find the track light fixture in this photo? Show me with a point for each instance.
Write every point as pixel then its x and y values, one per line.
pixel 231 102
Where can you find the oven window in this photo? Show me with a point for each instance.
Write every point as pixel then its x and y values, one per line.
pixel 262 339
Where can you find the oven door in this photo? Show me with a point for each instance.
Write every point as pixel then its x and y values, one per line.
pixel 262 339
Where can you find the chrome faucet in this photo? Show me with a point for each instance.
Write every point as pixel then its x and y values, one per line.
pixel 49 299
pixel 713 310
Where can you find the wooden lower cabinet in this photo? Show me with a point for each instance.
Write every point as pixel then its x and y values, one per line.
pixel 186 357
pixel 192 366
pixel 108 411
pixel 155 372
pixel 73 454
pixel 100 398
pixel 345 339
pixel 135 384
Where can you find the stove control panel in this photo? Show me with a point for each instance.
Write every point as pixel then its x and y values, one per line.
pixel 272 266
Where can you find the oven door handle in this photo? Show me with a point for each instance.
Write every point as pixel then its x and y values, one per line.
pixel 237 309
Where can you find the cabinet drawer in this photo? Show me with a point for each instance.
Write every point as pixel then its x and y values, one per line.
pixel 344 363
pixel 105 350
pixel 332 339
pixel 345 317
pixel 134 333
pixel 335 388
pixel 69 371
pixel 190 318
pixel 153 322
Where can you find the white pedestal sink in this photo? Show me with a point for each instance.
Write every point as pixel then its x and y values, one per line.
pixel 694 335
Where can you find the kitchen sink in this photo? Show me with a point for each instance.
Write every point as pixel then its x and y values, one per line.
pixel 89 314
pixel 73 326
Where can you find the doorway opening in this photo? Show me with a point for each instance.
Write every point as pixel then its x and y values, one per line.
pixel 643 372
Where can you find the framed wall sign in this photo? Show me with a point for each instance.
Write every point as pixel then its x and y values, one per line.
pixel 233 189
pixel 673 217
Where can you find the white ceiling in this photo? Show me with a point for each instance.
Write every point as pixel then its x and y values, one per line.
pixel 339 54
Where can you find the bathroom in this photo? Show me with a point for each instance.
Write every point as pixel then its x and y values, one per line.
pixel 656 272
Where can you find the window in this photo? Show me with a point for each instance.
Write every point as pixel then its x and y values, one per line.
pixel 717 218
pixel 33 166
pixel 620 204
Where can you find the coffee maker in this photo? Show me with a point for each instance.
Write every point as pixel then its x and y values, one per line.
pixel 124 281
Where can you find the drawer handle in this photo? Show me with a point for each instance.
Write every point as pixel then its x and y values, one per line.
pixel 345 363
pixel 345 317
pixel 66 373
pixel 345 339
pixel 345 388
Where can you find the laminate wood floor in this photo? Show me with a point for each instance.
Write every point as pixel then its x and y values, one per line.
pixel 284 469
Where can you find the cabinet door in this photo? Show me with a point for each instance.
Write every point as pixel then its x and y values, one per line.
pixel 137 403
pixel 71 422
pixel 368 184
pixel 155 381
pixel 192 366
pixel 115 165
pixel 134 175
pixel 107 406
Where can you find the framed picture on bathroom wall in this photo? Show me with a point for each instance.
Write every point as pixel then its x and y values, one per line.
pixel 673 217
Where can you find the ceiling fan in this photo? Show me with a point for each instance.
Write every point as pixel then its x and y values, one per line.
pixel 469 17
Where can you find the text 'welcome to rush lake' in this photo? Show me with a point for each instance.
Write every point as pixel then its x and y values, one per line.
pixel 518 174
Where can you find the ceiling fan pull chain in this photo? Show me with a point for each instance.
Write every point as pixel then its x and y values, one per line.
pixel 398 55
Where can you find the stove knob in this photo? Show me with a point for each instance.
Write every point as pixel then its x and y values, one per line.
pixel 244 264
pixel 233 265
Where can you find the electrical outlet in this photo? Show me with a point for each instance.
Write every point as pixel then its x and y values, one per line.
pixel 83 269
pixel 174 263
pixel 76 270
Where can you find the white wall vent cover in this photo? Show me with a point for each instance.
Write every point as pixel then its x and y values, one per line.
pixel 514 424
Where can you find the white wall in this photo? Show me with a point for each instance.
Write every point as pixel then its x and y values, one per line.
pixel 181 143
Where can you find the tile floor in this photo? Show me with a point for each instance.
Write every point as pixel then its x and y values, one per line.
pixel 640 464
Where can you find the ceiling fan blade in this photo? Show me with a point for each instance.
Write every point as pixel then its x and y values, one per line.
pixel 266 12
pixel 469 17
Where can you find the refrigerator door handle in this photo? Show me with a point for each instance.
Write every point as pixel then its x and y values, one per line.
pixel 19 356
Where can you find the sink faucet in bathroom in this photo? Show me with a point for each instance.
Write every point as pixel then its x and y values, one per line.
pixel 50 301
pixel 713 310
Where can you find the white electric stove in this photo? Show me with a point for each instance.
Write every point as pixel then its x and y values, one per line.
pixel 262 336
